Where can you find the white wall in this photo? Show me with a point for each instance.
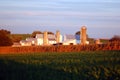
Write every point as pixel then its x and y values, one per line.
pixel 61 38
pixel 51 42
pixel 25 44
pixel 39 41
pixel 70 41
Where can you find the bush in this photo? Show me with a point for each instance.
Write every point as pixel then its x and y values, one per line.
pixel 4 38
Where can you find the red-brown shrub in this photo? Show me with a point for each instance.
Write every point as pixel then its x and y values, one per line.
pixel 61 48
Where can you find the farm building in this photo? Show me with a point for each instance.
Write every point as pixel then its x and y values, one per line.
pixel 49 39
pixel 28 42
pixel 39 38
pixel 69 39
pixel 32 40
pixel 43 39
pixel 25 43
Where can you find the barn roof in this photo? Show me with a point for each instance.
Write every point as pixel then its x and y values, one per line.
pixel 39 35
pixel 51 37
pixel 69 36
pixel 31 39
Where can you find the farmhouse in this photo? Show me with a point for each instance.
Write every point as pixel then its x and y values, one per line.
pixel 69 39
pixel 39 38
pixel 50 39
pixel 25 43
pixel 32 40
pixel 42 39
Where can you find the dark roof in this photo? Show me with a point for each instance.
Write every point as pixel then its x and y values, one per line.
pixel 39 35
pixel 70 36
pixel 51 36
pixel 31 39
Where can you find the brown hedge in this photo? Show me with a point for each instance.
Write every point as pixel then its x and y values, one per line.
pixel 61 48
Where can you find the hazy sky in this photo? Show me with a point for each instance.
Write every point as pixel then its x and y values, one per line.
pixel 101 17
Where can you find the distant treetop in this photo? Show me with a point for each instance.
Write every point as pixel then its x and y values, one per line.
pixel 5 40
pixel 36 32
pixel 50 32
pixel 115 38
pixel 77 33
pixel 5 31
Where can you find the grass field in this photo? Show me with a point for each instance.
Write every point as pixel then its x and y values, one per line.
pixel 102 65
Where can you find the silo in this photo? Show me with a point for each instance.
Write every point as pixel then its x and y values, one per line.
pixel 57 36
pixel 45 38
pixel 83 35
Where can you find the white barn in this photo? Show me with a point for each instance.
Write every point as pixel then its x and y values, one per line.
pixel 39 38
pixel 25 43
pixel 51 38
pixel 69 39
pixel 28 42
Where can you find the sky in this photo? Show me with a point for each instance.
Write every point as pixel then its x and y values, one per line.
pixel 101 17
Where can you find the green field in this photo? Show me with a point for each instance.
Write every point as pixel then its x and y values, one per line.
pixel 102 65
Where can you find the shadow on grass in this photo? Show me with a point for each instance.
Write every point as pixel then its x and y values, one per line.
pixel 11 70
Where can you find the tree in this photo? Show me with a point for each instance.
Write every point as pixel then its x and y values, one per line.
pixel 36 32
pixel 78 33
pixel 50 32
pixel 115 38
pixel 16 38
pixel 5 31
pixel 39 32
pixel 4 38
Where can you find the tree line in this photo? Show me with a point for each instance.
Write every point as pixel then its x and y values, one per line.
pixel 7 39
